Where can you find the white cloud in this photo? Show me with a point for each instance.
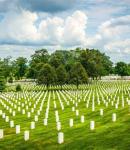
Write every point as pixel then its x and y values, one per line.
pixel 122 46
pixel 50 30
pixel 115 37
pixel 74 30
pixel 21 29
pixel 92 41
pixel 27 28
pixel 115 27
pixel 18 27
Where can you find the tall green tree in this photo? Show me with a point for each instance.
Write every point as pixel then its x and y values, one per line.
pixel 95 63
pixel 47 75
pixel 56 59
pixel 6 67
pixel 20 66
pixel 121 69
pixel 2 81
pixel 61 75
pixel 78 74
pixel 38 59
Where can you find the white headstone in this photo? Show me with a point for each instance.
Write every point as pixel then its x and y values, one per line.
pixel 3 115
pixel 36 118
pixel 93 107
pixel 116 106
pixel 23 111
pixel 11 123
pixel 82 119
pixel 73 108
pixel 26 135
pixel 29 114
pixel 114 117
pixel 71 122
pixel 10 110
pixel 7 119
pixel 101 112
pixel 58 126
pixel 123 104
pixel 0 112
pixel 33 125
pixel 19 109
pixel 17 129
pixel 1 133
pixel 13 113
pixel 92 125
pixel 57 118
pixel 45 122
pixel 32 110
pixel 106 104
pixel 77 112
pixel 60 137
pixel 87 105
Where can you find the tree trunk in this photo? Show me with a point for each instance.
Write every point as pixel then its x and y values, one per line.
pixel 77 84
pixel 47 85
pixel 61 86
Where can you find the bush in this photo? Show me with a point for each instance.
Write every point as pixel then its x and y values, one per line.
pixel 10 80
pixel 2 84
pixel 18 88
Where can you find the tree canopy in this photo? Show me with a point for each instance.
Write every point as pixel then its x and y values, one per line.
pixel 61 67
pixel 46 75
pixel 78 74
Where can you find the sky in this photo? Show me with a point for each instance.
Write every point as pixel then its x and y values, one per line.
pixel 29 25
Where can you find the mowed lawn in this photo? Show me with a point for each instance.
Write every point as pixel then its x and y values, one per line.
pixel 112 97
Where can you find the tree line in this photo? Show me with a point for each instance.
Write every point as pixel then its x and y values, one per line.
pixel 61 67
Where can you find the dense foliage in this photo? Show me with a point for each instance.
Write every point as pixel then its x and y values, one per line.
pixel 61 67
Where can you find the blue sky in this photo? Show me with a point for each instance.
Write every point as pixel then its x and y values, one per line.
pixel 28 25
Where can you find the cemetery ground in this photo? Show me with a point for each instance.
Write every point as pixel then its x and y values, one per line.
pixel 96 116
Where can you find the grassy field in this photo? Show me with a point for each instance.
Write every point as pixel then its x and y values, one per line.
pixel 112 97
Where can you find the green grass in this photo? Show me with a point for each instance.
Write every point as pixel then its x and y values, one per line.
pixel 107 135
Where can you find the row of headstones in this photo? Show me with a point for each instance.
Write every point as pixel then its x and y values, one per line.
pixel 38 113
pixel 40 109
pixel 46 113
pixel 26 133
pixel 60 134
pixel 12 122
pixel 93 103
pixel 17 101
pixel 92 127
pixel 67 100
pixel 23 110
pixel 104 101
pixel 93 107
pixel 107 98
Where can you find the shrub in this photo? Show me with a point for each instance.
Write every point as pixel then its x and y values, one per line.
pixel 18 88
pixel 10 80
